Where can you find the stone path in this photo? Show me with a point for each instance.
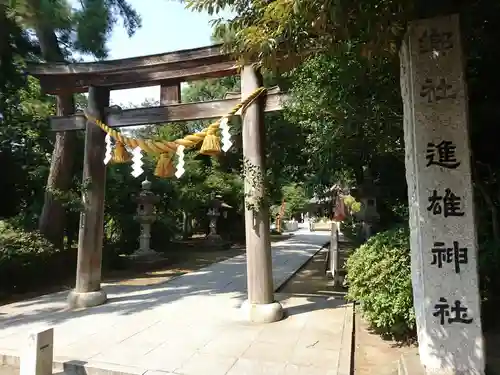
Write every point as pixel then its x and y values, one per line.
pixel 191 325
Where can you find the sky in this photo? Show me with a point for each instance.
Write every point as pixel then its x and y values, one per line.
pixel 167 26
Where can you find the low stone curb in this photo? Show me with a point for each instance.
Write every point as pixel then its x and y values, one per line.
pixel 409 364
pixel 346 356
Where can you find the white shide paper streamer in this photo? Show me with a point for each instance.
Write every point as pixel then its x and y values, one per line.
pixel 109 149
pixel 226 136
pixel 180 161
pixel 137 162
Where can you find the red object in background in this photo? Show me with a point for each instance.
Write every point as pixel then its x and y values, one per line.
pixel 339 212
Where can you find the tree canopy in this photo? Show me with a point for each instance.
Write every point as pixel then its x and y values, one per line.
pixel 84 29
pixel 64 33
pixel 288 31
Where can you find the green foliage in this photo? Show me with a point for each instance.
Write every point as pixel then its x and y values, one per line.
pixel 187 198
pixel 351 110
pixel 24 138
pixel 353 230
pixel 379 278
pixel 95 21
pixel 210 89
pixel 255 178
pixel 84 28
pixel 352 204
pixel 17 244
pixel 295 198
pixel 286 154
pixel 291 30
pixel 25 258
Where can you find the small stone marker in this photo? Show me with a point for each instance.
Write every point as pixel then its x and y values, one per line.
pixel 438 173
pixel 38 354
pixel 335 266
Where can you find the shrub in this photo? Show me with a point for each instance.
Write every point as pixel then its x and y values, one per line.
pixel 27 259
pixel 20 247
pixel 353 231
pixel 379 277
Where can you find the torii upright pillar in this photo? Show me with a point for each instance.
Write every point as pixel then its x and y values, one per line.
pixel 88 290
pixel 260 307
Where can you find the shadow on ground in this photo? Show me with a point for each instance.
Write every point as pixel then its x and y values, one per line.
pixel 228 276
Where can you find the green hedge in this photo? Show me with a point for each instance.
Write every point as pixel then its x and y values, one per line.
pixel 379 278
pixel 27 259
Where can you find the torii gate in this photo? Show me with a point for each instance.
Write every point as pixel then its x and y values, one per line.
pixel 167 70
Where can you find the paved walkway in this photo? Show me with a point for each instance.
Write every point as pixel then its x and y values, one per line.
pixel 191 325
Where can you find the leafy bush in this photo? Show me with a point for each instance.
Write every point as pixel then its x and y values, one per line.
pixel 379 278
pixel 353 231
pixel 16 244
pixel 27 259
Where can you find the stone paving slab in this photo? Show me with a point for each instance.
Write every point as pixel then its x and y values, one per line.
pixel 190 325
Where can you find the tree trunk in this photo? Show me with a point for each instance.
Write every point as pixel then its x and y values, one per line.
pixel 185 225
pixel 52 219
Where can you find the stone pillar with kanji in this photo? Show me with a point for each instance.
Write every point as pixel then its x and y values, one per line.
pixel 438 172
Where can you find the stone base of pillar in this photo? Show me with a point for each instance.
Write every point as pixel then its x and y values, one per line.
pixel 214 236
pixel 81 300
pixel 144 254
pixel 262 313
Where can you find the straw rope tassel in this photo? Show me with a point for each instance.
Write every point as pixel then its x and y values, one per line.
pixel 211 143
pixel 120 153
pixel 167 149
pixel 165 167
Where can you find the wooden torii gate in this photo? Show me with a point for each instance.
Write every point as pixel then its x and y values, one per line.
pixel 167 70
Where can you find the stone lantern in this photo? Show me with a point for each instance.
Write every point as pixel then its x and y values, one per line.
pixel 146 217
pixel 213 214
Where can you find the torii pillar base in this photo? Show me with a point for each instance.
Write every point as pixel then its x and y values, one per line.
pixel 262 312
pixel 89 299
